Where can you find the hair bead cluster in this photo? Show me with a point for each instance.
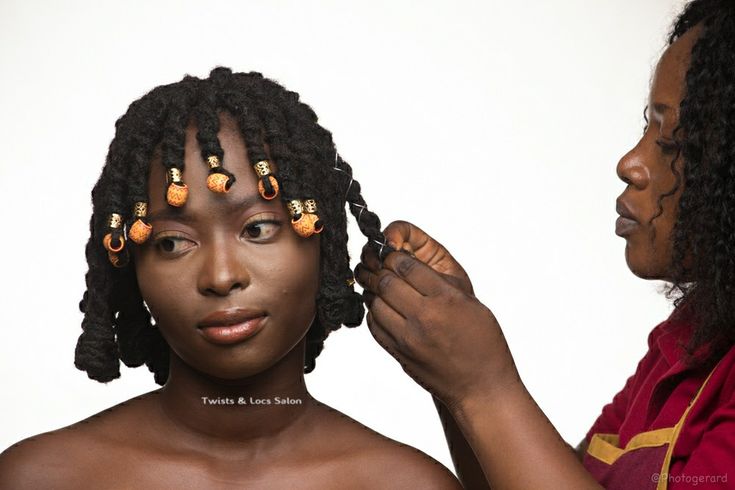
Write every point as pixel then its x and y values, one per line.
pixel 304 219
pixel 140 230
pixel 267 182
pixel 177 191
pixel 114 241
pixel 219 179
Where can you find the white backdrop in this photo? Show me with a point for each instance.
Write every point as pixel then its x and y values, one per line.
pixel 529 103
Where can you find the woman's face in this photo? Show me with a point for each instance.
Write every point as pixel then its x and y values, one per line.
pixel 224 251
pixel 647 170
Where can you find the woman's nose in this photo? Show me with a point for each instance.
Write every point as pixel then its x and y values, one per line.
pixel 223 269
pixel 632 170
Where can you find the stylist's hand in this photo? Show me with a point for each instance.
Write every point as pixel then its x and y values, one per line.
pixel 423 311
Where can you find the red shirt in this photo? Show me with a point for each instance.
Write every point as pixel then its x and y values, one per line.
pixel 656 396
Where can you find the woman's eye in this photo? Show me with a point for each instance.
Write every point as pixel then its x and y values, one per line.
pixel 263 229
pixel 171 244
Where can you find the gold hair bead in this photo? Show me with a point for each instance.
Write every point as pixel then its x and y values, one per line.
pixel 213 161
pixel 140 209
pixel 295 207
pixel 174 175
pixel 310 206
pixel 115 221
pixel 262 168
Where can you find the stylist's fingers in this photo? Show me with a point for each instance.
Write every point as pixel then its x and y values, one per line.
pixel 403 235
pixel 369 258
pixel 417 274
pixel 390 288
pixel 382 321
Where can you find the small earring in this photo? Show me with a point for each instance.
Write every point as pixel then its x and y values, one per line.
pixel 267 182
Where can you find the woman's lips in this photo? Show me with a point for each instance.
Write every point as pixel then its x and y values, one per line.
pixel 231 334
pixel 624 226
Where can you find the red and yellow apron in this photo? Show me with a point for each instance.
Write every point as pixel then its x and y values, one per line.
pixel 644 461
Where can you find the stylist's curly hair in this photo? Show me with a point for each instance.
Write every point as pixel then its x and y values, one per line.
pixel 117 325
pixel 703 276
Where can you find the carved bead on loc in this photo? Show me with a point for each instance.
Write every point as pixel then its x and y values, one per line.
pixel 107 242
pixel 139 232
pixel 118 259
pixel 274 184
pixel 306 225
pixel 218 182
pixel 176 194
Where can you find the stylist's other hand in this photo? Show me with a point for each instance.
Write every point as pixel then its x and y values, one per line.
pixel 422 311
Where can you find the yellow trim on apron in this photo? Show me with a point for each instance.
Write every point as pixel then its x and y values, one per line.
pixel 605 447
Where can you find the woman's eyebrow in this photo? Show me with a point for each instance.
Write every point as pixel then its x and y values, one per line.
pixel 182 214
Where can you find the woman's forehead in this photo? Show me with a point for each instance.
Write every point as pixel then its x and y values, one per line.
pixel 196 171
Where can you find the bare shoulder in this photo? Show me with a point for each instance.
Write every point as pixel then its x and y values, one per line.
pixel 68 457
pixel 48 460
pixel 373 460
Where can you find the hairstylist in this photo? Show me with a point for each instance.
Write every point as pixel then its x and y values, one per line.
pixel 673 424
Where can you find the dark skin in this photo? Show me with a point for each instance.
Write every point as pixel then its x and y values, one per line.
pixel 213 254
pixel 423 312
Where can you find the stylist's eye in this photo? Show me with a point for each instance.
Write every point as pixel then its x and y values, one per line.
pixel 171 244
pixel 262 229
pixel 668 147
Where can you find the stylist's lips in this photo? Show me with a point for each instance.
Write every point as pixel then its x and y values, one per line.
pixel 231 326
pixel 626 222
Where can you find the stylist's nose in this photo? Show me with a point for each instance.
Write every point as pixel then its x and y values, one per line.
pixel 223 268
pixel 632 170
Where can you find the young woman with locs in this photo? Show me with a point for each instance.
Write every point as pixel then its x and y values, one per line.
pixel 673 423
pixel 218 258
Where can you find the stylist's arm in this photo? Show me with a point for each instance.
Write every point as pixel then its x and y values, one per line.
pixel 422 310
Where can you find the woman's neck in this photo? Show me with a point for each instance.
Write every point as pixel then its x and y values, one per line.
pixel 254 410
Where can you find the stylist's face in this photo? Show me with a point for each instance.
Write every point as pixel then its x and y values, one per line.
pixel 648 206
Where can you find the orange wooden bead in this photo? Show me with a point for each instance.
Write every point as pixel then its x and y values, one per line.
pixel 218 182
pixel 107 242
pixel 176 194
pixel 140 231
pixel 305 225
pixel 261 188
